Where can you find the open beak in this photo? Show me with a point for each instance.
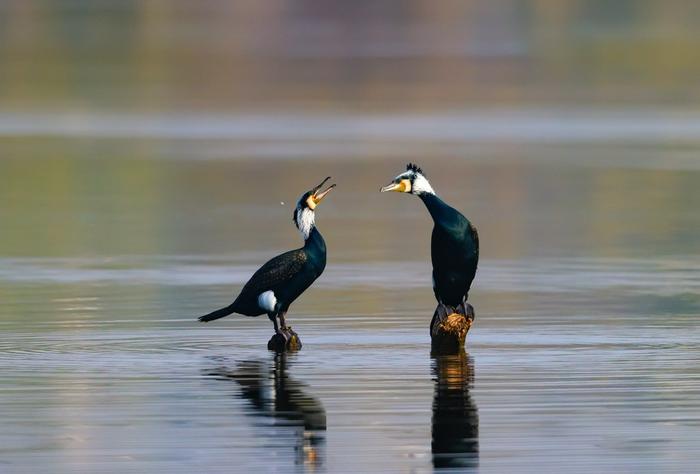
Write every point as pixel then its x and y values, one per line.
pixel 398 187
pixel 318 195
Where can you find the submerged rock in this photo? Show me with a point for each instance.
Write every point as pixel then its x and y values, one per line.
pixel 284 340
pixel 448 332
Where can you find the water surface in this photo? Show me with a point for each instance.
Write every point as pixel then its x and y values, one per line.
pixel 150 157
pixel 583 356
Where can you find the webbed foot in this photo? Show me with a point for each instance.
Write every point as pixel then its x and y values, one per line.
pixel 467 310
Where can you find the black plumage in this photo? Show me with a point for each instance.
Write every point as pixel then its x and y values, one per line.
pixel 454 251
pixel 454 244
pixel 280 281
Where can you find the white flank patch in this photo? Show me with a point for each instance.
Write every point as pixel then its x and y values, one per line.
pixel 267 300
pixel 305 222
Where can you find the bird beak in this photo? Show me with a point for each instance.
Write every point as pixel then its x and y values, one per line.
pixel 399 187
pixel 318 195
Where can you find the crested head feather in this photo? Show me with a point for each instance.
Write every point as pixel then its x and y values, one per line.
pixel 419 183
pixel 414 167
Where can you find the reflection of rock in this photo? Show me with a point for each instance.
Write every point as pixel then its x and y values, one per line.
pixel 455 421
pixel 448 329
pixel 273 393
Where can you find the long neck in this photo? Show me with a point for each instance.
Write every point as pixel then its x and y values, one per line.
pixel 439 210
pixel 306 223
pixel 315 241
pixel 432 202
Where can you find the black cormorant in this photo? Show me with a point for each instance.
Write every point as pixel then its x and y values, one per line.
pixel 281 280
pixel 454 246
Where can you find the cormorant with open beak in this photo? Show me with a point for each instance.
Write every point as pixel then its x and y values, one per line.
pixel 281 280
pixel 454 245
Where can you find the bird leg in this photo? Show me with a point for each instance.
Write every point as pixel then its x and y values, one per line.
pixel 283 323
pixel 467 310
pixel 441 313
pixel 273 318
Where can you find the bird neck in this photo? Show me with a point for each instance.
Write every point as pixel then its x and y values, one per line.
pixel 432 202
pixel 421 185
pixel 305 222
pixel 439 210
pixel 314 242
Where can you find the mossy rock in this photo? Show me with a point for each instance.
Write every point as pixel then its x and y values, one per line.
pixel 284 341
pixel 448 332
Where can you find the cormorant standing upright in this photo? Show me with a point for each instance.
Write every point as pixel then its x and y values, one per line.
pixel 454 245
pixel 281 280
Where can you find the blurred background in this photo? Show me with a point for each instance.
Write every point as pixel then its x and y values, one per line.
pixel 151 153
pixel 217 56
pixel 145 113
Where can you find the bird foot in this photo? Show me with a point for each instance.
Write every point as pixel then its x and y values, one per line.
pixel 467 310
pixel 442 312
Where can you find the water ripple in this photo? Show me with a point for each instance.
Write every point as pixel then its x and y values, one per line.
pixel 662 276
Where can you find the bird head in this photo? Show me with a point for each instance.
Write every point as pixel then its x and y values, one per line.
pixel 304 211
pixel 411 181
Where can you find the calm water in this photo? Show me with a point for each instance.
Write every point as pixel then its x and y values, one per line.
pixel 150 157
pixel 584 355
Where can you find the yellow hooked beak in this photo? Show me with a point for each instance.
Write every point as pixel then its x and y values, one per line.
pixel 403 186
pixel 317 195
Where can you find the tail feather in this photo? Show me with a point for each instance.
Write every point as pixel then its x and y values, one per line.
pixel 219 313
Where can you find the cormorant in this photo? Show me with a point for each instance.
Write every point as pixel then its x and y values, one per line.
pixel 281 280
pixel 454 246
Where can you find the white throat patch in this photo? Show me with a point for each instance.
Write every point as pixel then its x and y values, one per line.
pixel 305 221
pixel 421 185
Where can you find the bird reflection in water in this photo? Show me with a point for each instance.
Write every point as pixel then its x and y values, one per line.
pixel 455 429
pixel 273 393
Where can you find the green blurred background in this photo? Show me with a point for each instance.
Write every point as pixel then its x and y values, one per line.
pixel 178 127
pixel 217 55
